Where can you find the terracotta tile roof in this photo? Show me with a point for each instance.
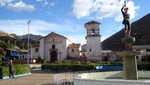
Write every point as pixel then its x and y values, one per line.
pixel 74 45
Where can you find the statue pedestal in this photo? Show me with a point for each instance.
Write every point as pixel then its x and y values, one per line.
pixel 129 59
pixel 129 65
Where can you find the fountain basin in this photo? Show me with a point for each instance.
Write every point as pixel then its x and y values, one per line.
pixel 128 53
pixel 129 64
pixel 111 78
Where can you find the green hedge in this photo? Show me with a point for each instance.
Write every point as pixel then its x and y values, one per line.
pixel 63 67
pixel 67 67
pixel 19 69
pixel 4 71
pixel 144 66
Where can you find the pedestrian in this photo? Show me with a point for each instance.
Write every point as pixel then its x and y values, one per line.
pixel 11 69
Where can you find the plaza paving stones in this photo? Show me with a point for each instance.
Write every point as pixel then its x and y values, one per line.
pixel 36 78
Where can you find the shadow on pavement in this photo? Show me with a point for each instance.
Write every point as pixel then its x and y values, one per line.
pixel 41 71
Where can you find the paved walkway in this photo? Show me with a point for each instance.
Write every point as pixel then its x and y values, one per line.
pixel 36 78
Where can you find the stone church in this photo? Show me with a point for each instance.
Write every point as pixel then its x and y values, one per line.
pixel 55 47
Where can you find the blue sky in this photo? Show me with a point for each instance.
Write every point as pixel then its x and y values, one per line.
pixel 67 17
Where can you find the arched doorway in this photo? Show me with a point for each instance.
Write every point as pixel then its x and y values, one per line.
pixel 53 56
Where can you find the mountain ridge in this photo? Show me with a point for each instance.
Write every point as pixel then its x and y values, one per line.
pixel 140 30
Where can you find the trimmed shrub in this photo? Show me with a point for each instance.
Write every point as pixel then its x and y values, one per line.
pixel 5 71
pixel 19 69
pixel 67 67
pixel 144 66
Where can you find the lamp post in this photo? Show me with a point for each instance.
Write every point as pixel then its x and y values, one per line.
pixel 28 22
pixel 59 55
pixel 31 52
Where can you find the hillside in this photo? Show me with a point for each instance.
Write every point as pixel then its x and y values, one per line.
pixel 32 37
pixel 14 41
pixel 140 30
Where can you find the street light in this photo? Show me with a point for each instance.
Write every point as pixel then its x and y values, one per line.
pixel 31 52
pixel 59 55
pixel 28 22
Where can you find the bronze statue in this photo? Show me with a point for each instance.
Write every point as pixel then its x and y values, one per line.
pixel 126 19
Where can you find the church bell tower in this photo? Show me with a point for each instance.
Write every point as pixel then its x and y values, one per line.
pixel 93 40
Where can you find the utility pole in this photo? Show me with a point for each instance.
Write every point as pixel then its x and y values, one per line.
pixel 28 22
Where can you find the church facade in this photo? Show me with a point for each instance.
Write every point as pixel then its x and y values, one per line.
pixel 55 47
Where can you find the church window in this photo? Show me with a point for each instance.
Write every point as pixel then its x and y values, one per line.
pixel 53 40
pixel 137 57
pixel 90 50
pixel 36 50
pixel 53 46
pixel 93 32
pixel 72 50
pixel 138 50
pixel 148 50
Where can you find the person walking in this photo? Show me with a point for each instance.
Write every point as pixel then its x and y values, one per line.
pixel 11 69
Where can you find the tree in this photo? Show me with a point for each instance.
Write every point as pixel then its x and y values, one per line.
pixel 2 53
pixel 3 44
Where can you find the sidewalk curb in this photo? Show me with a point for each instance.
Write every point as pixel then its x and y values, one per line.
pixel 20 75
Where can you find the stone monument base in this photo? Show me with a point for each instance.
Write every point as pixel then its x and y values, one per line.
pixel 129 59
pixel 129 64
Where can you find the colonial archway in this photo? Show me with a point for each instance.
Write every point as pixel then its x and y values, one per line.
pixel 53 56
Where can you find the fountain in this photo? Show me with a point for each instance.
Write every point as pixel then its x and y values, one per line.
pixel 129 75
pixel 129 59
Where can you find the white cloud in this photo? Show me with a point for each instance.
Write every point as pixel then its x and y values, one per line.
pixel 72 31
pixel 46 3
pixel 108 31
pixel 39 0
pixel 52 4
pixel 49 13
pixel 132 9
pixel 81 8
pixel 20 6
pixel 102 8
pixel 77 38
pixel 5 2
pixel 103 38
